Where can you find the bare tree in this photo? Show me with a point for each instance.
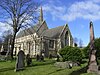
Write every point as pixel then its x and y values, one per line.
pixel 7 35
pixel 20 13
pixel 76 41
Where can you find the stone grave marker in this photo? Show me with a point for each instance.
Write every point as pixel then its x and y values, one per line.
pixel 37 57
pixel 28 60
pixel 92 64
pixel 20 61
pixel 58 58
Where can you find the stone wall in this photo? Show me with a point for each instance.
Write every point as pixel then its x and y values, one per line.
pixel 27 44
pixel 66 34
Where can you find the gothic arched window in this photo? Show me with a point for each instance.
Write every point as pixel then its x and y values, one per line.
pixel 66 39
pixel 51 43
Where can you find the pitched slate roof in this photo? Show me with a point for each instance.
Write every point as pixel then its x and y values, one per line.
pixel 28 31
pixel 53 33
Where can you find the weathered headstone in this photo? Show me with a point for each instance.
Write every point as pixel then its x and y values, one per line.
pixel 40 57
pixel 20 61
pixel 37 57
pixel 92 64
pixel 28 60
pixel 58 58
pixel 50 56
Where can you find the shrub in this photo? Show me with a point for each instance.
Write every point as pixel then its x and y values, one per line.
pixel 86 52
pixel 69 53
pixel 97 47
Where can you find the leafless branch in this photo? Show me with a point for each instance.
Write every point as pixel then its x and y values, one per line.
pixel 19 12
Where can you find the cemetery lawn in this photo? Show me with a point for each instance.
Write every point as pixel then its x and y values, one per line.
pixel 41 68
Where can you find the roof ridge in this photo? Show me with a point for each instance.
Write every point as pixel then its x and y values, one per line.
pixel 53 32
pixel 28 30
pixel 57 27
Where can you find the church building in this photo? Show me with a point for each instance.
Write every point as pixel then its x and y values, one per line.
pixel 40 38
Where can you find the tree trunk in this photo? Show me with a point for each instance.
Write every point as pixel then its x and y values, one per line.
pixel 12 44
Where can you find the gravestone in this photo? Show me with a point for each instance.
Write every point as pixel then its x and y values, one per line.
pixel 20 61
pixel 50 56
pixel 40 57
pixel 37 57
pixel 58 58
pixel 92 64
pixel 28 60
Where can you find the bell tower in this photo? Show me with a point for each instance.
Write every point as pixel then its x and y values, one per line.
pixel 41 16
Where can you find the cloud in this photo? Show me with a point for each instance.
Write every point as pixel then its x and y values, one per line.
pixel 55 11
pixel 89 10
pixel 4 27
pixel 86 10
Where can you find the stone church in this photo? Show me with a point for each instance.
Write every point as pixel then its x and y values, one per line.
pixel 40 38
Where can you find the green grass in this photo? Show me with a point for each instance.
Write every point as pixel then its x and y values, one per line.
pixel 41 68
